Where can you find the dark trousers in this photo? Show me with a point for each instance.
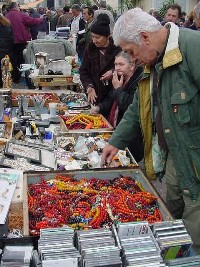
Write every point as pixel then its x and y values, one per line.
pixel 182 206
pixel 17 60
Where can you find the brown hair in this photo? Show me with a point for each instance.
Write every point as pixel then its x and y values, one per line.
pixel 4 21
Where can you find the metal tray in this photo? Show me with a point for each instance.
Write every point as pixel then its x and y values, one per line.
pixel 76 135
pixel 136 174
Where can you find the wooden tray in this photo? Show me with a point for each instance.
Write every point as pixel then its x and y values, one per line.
pixel 108 127
pixel 53 98
pixel 53 80
pixel 136 174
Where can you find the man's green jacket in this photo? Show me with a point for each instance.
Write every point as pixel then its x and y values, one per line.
pixel 179 95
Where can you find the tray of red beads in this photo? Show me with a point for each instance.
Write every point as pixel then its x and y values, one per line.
pixel 51 97
pixel 89 123
pixel 87 199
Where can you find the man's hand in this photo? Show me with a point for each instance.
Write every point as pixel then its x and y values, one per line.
pixel 109 152
pixel 91 95
pixel 116 81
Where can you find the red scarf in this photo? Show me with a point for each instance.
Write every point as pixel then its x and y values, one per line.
pixel 113 114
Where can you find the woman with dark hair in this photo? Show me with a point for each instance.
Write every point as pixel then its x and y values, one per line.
pixel 6 40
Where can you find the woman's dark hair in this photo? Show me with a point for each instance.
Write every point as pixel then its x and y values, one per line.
pixel 95 7
pixel 66 8
pixel 13 5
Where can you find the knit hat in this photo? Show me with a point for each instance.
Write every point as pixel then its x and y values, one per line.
pixel 101 25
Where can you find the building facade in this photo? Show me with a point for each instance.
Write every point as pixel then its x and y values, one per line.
pixel 186 5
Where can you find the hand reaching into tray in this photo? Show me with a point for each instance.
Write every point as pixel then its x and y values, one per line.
pixel 109 152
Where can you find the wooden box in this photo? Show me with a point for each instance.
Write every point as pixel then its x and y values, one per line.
pixel 136 174
pixel 53 80
pixel 107 128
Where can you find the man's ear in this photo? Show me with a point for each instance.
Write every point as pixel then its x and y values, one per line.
pixel 145 37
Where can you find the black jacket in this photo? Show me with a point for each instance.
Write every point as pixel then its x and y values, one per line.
pixel 6 41
pixel 91 72
pixel 123 96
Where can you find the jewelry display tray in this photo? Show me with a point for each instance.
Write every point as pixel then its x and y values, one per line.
pixel 36 159
pixel 76 135
pixel 136 174
pixel 98 130
pixel 68 98
pixel 4 164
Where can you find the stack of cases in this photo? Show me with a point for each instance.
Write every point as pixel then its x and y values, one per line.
pixel 98 248
pixel 173 239
pixel 56 248
pixel 17 256
pixel 139 247
pixel 185 262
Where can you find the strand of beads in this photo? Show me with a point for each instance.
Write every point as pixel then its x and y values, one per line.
pixel 83 203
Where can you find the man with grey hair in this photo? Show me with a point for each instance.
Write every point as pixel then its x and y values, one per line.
pixel 166 109
pixel 197 16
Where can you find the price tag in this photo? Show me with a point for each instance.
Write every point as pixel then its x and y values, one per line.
pixel 128 230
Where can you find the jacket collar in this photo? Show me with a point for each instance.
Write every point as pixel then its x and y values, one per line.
pixel 172 54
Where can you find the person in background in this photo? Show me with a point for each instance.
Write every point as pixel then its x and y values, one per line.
pixel 197 16
pixel 54 19
pixel 189 23
pixel 41 10
pixel 173 14
pixel 183 16
pixel 84 36
pixel 102 10
pixel 154 12
pixel 20 23
pixel 34 28
pixel 77 15
pixel 166 109
pixel 65 19
pixel 98 61
pixel 5 9
pixel 126 77
pixel 94 7
pixel 115 16
pixel 6 41
pixel 43 28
